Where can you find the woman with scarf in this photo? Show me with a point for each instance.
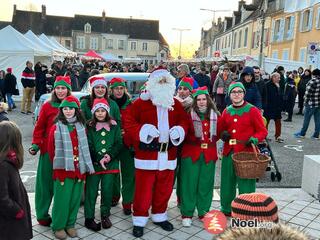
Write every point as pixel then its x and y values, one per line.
pixel 70 156
pixel 121 97
pixel 44 183
pixel 199 155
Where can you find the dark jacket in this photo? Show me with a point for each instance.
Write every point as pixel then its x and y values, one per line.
pixel 302 85
pixel 84 75
pixel 252 93
pixel 274 101
pixel 289 90
pixel 4 116
pixel 261 85
pixel 13 199
pixel 10 83
pixel 28 78
pixel 203 80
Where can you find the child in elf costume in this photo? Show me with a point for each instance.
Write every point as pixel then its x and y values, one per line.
pixel 199 155
pixel 241 125
pixel 69 151
pixel 47 115
pixel 104 136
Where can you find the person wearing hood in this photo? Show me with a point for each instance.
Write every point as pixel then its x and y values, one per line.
pixel 289 97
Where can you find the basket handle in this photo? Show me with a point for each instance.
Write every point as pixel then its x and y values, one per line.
pixel 255 150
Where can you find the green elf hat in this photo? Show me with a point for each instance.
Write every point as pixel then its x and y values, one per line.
pixel 199 91
pixel 186 82
pixel 143 87
pixel 63 81
pixel 234 85
pixel 116 82
pixel 71 102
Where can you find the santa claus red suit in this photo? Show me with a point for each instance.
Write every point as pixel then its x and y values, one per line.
pixel 157 125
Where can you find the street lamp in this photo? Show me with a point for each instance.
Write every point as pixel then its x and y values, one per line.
pixel 261 38
pixel 180 30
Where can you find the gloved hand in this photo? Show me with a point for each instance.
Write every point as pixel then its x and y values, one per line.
pixel 153 132
pixel 225 136
pixel 251 140
pixel 174 133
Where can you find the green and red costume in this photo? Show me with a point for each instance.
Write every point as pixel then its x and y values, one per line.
pixel 102 142
pixel 243 123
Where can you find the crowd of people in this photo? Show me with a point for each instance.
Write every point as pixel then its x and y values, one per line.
pixel 137 149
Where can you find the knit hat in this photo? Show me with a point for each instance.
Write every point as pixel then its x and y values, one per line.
pixel 255 206
pixel 9 70
pixel 100 103
pixel 70 101
pixel 96 80
pixel 199 91
pixel 63 81
pixel 186 82
pixel 116 82
pixel 234 85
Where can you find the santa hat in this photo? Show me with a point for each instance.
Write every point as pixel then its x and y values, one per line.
pixel 9 70
pixel 255 206
pixel 100 103
pixel 116 82
pixel 70 101
pixel 63 81
pixel 199 91
pixel 96 80
pixel 234 85
pixel 186 82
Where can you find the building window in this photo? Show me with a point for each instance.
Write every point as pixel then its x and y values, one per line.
pixel 109 44
pixel 234 40
pixel 67 43
pixel 80 42
pixel 87 28
pixel 94 43
pixel 285 54
pixel 133 46
pixel 240 39
pixel 288 28
pixel 245 43
pixel 306 20
pixel 121 44
pixel 302 54
pixel 318 19
pixel 276 31
pixel 275 54
pixel 144 46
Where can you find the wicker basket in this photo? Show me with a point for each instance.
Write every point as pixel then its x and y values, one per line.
pixel 251 165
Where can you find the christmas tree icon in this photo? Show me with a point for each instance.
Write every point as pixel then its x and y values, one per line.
pixel 214 224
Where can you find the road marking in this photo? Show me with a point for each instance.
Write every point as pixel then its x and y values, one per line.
pixel 298 148
pixel 26 175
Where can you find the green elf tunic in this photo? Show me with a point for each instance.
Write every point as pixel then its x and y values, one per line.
pixel 243 123
pixel 101 142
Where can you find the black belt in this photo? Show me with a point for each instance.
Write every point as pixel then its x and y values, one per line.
pixel 155 146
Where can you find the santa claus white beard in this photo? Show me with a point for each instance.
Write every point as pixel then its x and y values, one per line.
pixel 162 94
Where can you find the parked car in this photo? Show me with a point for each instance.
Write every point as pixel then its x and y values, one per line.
pixel 133 81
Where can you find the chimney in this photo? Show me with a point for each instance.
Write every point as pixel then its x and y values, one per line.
pixel 14 9
pixel 103 15
pixel 240 4
pixel 219 21
pixel 43 11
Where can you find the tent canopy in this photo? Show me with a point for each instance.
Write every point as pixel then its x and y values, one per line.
pixel 59 46
pixel 32 37
pixel 110 57
pixel 92 54
pixel 46 40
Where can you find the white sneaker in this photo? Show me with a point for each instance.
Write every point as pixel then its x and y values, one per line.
pixel 186 222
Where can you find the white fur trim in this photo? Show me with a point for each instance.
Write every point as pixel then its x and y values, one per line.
pixel 155 164
pixel 99 82
pixel 100 105
pixel 139 221
pixel 182 134
pixel 159 217
pixel 145 131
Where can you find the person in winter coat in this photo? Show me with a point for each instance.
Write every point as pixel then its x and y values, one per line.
pixel 3 112
pixel 70 157
pixel 202 78
pixel 220 88
pixel 120 95
pixel 213 75
pixel 184 71
pixel 199 155
pixel 15 212
pixel 10 86
pixel 28 83
pixel 290 93
pixel 2 92
pixel 241 126
pixel 44 182
pixel 84 76
pixel 105 143
pixel 274 104
pixel 302 85
pixel 261 84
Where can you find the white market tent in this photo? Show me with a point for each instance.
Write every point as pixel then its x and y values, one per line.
pixel 16 50
pixel 59 46
pixel 108 57
pixel 47 41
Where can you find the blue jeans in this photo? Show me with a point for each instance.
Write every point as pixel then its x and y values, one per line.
pixel 10 100
pixel 308 112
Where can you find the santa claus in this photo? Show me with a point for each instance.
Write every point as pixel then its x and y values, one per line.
pixel 158 125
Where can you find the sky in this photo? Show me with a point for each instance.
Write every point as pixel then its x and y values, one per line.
pixel 185 14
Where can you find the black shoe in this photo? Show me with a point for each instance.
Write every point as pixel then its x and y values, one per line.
pixel 299 113
pixel 92 225
pixel 127 211
pixel 288 120
pixel 23 112
pixel 105 222
pixel 165 225
pixel 137 231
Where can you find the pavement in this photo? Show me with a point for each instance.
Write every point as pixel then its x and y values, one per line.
pixel 296 208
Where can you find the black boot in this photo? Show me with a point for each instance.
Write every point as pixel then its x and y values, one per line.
pixel 92 225
pixel 165 225
pixel 127 211
pixel 137 231
pixel 288 120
